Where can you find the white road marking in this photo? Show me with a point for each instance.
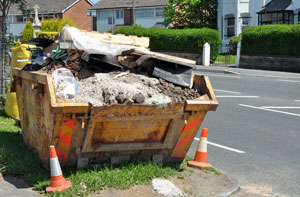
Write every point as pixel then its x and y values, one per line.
pixel 226 76
pixel 297 100
pixel 271 110
pixel 274 107
pixel 221 146
pixel 293 81
pixel 229 96
pixel 217 90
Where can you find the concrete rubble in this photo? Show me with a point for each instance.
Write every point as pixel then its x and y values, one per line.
pixel 131 76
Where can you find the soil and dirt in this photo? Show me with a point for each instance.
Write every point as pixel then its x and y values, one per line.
pixel 192 182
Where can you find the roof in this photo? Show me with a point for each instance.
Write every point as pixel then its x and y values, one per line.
pixel 106 4
pixel 47 6
pixel 276 5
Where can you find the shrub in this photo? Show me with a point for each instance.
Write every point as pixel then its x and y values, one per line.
pixel 56 24
pixel 45 34
pixel 272 40
pixel 234 40
pixel 27 32
pixel 177 40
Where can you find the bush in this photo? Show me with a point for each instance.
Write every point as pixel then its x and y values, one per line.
pixel 177 40
pixel 45 34
pixel 56 24
pixel 234 40
pixel 27 32
pixel 272 40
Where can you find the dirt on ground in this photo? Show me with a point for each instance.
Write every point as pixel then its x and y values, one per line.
pixel 192 182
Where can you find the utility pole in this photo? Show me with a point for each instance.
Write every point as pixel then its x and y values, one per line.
pixel 133 12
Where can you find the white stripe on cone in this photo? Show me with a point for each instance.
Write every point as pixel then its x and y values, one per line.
pixel 202 145
pixel 55 167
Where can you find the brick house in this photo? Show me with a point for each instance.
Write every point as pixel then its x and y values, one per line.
pixel 76 10
pixel 111 13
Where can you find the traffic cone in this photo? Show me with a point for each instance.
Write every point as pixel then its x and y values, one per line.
pixel 58 182
pixel 200 160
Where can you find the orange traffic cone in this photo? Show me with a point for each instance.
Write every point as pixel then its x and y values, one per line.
pixel 58 182
pixel 200 160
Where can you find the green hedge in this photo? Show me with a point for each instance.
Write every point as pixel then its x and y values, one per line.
pixel 49 28
pixel 56 24
pixel 177 40
pixel 45 34
pixel 272 40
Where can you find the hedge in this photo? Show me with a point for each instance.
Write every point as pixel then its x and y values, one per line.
pixel 45 34
pixel 56 24
pixel 272 40
pixel 177 40
pixel 52 26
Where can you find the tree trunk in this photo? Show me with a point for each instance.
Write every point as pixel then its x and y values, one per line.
pixel 2 54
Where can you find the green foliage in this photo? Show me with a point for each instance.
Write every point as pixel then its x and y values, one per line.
pixel 191 13
pixel 45 34
pixel 272 40
pixel 49 28
pixel 27 32
pixel 56 24
pixel 234 40
pixel 177 40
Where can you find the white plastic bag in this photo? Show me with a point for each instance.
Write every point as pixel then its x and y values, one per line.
pixel 65 84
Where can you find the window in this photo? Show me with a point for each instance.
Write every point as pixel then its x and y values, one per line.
pixel 18 19
pixel 159 12
pixel 105 15
pixel 284 17
pixel 230 26
pixel 144 13
pixel 245 21
pixel 119 14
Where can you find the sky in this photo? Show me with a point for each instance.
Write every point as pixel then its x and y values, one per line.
pixel 94 1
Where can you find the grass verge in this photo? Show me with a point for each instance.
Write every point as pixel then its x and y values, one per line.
pixel 16 160
pixel 228 59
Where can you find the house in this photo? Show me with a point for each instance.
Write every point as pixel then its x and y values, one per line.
pixel 236 15
pixel 111 13
pixel 74 9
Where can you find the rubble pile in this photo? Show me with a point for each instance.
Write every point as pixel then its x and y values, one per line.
pixel 122 88
pixel 132 76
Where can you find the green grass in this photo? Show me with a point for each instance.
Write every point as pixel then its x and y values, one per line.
pixel 228 59
pixel 17 160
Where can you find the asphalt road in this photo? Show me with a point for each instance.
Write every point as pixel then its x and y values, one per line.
pixel 258 122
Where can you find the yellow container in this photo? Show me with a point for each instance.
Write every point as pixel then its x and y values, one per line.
pixel 18 53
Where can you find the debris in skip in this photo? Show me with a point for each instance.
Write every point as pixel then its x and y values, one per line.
pixel 112 69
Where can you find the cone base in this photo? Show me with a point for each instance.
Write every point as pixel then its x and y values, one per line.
pixel 198 164
pixel 63 187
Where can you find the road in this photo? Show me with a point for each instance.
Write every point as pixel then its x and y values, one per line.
pixel 257 125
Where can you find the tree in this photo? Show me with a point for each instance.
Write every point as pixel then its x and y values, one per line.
pixel 4 9
pixel 191 13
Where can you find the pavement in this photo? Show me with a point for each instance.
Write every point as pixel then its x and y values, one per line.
pixel 10 186
pixel 231 69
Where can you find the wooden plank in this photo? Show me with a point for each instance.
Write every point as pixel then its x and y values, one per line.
pixel 115 39
pixel 31 76
pixel 171 58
